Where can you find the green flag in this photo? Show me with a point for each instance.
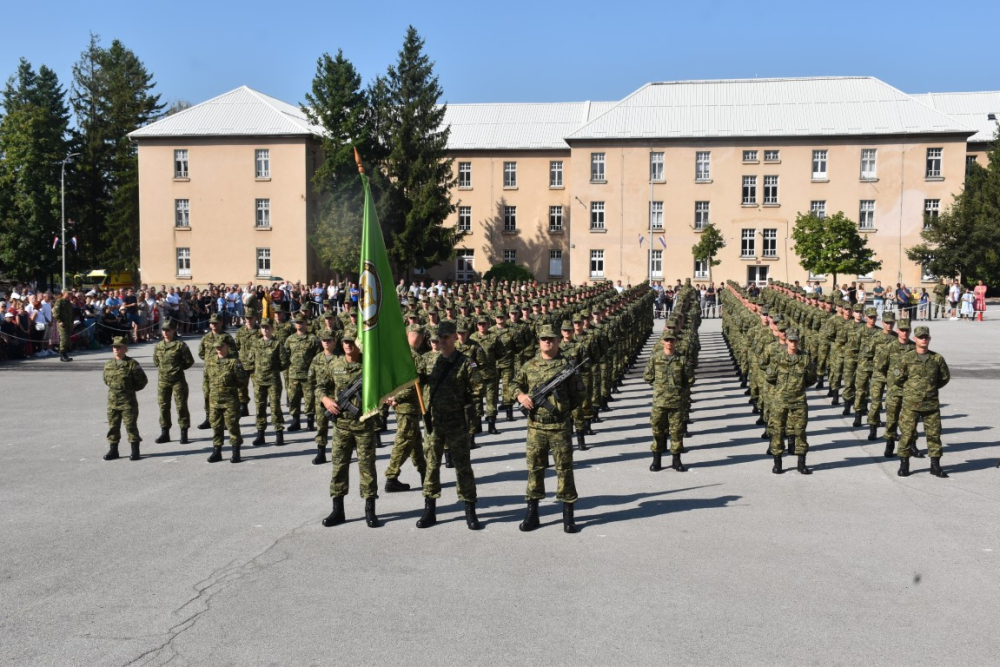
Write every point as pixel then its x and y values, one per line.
pixel 386 363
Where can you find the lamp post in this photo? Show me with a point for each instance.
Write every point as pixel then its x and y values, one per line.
pixel 62 182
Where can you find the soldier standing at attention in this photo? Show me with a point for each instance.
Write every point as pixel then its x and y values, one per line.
pixel 302 347
pixel 493 347
pixel 351 433
pixel 921 374
pixel 506 337
pixel 791 372
pixel 477 355
pixel 172 357
pixel 124 377
pixel 319 371
pixel 669 373
pixel 206 352
pixel 225 376
pixel 575 353
pixel 888 363
pixel 265 360
pixel 409 442
pixel 246 336
pixel 549 426
pixel 62 313
pixel 940 299
pixel 879 367
pixel 870 336
pixel 447 379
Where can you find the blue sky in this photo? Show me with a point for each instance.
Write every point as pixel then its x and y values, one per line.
pixel 515 51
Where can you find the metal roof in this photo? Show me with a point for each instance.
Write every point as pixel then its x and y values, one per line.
pixel 972 109
pixel 240 112
pixel 517 126
pixel 827 106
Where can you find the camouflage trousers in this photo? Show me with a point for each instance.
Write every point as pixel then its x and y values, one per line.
pixel 224 415
pixel 908 419
pixel 299 390
pixel 893 405
pixel 789 420
pixel 452 432
pixel 587 409
pixel 822 358
pixel 130 417
pixel 540 442
pixel 322 427
pixel 666 422
pixel 347 436
pixel 507 378
pixel 262 394
pixel 877 388
pixel 245 392
pixel 862 384
pixel 409 444
pixel 64 338
pixel 179 392
pixel 836 367
pixel 491 390
pixel 850 371
pixel 940 308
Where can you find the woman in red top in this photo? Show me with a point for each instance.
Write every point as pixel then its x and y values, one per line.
pixel 980 295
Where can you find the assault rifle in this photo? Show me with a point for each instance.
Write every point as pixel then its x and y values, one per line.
pixel 540 395
pixel 344 399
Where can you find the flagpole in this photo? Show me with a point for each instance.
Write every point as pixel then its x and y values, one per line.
pixel 62 187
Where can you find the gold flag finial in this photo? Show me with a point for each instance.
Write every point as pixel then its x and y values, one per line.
pixel 357 158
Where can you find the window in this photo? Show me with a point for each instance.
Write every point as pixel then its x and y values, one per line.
pixel 263 213
pixel 933 163
pixel 555 219
pixel 465 265
pixel 597 215
pixel 656 166
pixel 184 261
pixel 748 243
pixel 262 159
pixel 817 276
pixel 770 189
pixel 510 256
pixel 772 156
pixel 701 268
pixel 597 168
pixel 818 208
pixel 465 174
pixel 926 275
pixel 656 264
pixel 701 215
pixel 932 208
pixel 555 174
pixel 510 174
pixel 510 219
pixel 749 190
pixel 770 243
pixel 866 217
pixel 868 164
pixel 181 163
pixel 819 165
pixel 656 215
pixel 970 160
pixel 182 213
pixel 702 166
pixel 555 263
pixel 263 262
pixel 750 156
pixel 596 263
pixel 465 218
pixel 866 276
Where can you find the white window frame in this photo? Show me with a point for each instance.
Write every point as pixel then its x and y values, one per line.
pixel 773 155
pixel 465 175
pixel 510 256
pixel 465 218
pixel 748 243
pixel 819 164
pixel 555 262
pixel 181 163
pixel 262 162
pixel 555 173
pixel 750 156
pixel 770 247
pixel 183 263
pixel 869 157
pixel 818 206
pixel 770 190
pixel 262 219
pixel 866 214
pixel 597 173
pixel 510 174
pixel 555 219
pixel 656 167
pixel 932 209
pixel 868 277
pixel 703 165
pixel 465 264
pixel 935 158
pixel 702 213
pixel 597 212
pixel 701 269
pixel 816 276
pixel 263 262
pixel 749 190
pixel 596 263
pixel 656 215
pixel 510 219
pixel 655 264
pixel 182 213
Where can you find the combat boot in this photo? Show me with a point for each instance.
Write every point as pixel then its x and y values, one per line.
pixel 479 425
pixel 320 457
pixel 777 470
pixel 510 413
pixel 756 411
pixel 677 465
pixel 164 436
pixel 216 455
pixel 448 463
pixel 836 397
pixel 830 391
pixel 112 452
pixel 205 425
pixel 857 419
pixel 259 440
pixel 936 467
pixel 890 448
pixel 915 450
pixel 135 452
pixel 569 526
pixel 378 439
pixel 790 444
pixel 847 408
pixel 802 465
pixel 423 474
pixel 244 409
pixel 904 467
pixel 873 432
pixel 760 420
pixel 471 520
pixel 184 437
pixel 371 518
pixel 743 382
pixel 596 420
pixel 472 442
pixel 393 485
pixel 819 383
pixel 336 517
pixel 236 458
pixel 656 465
pixel 587 430
pixel 65 357
pixel 295 426
pixel 491 426
pixel 530 517
pixel 429 517
pixel 310 423
pixel 279 439
pixel 581 442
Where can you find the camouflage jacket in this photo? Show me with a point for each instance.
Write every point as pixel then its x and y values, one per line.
pixel 245 339
pixel 670 376
pixel 123 378
pixel 493 347
pixel 406 399
pixel 921 376
pixel 172 359
pixel 319 371
pixel 477 357
pixel 206 350
pixel 265 360
pixel 447 384
pixel 62 312
pixel 341 374
pixel 791 374
pixel 567 397
pixel 301 351
pixel 225 377
pixel 887 359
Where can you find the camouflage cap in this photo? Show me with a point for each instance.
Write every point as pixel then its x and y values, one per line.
pixel 765 311
pixel 577 318
pixel 792 335
pixel 327 334
pixel 462 325
pixel 170 325
pixel 903 325
pixel 858 308
pixel 871 312
pixel 585 314
pixel 446 328
pixel 214 317
pixel 119 341
pixel 415 328
pixel 483 319
pixel 888 318
pixel 329 315
pixel 300 318
pixel 222 341
pixel 266 323
pixel 546 331
pixel 782 326
pixel 350 334
pixel 921 331
pixel 566 325
pixel 249 312
pixel 668 334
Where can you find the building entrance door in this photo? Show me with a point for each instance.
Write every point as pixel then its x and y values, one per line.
pixel 757 274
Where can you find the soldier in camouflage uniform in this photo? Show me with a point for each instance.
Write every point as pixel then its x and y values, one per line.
pixel 124 377
pixel 790 372
pixel 549 427
pixel 870 335
pixel 887 362
pixel 492 345
pixel 852 351
pixel 669 373
pixel 586 345
pixel 265 360
pixel 878 381
pixel 576 354
pixel 225 376
pixel 921 374
pixel 172 357
pixel 474 351
pixel 302 348
pixel 351 433
pixel 319 371
pixel 62 313
pixel 246 336
pixel 409 443
pixel 940 299
pixel 447 379
pixel 206 352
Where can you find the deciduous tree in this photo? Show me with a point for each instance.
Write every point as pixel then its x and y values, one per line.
pixel 832 245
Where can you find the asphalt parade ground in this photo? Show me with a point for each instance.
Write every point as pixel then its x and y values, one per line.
pixel 171 560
